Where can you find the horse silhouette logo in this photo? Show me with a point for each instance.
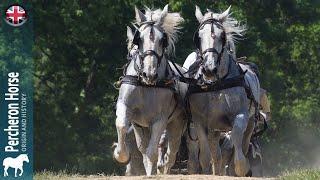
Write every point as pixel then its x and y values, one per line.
pixel 16 163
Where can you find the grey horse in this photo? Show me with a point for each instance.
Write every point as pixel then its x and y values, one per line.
pixel 135 165
pixel 148 96
pixel 219 100
pixel 254 155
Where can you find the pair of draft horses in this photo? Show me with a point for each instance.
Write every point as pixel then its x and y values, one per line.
pixel 212 93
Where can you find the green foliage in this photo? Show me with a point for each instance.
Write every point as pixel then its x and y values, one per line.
pixel 79 45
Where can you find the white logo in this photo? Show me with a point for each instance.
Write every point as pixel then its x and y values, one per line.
pixel 16 163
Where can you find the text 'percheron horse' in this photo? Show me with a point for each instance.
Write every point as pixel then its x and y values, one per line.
pixel 226 93
pixel 148 96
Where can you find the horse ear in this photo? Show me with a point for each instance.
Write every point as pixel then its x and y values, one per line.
pixel 163 14
pixel 224 15
pixel 129 34
pixel 199 14
pixel 140 17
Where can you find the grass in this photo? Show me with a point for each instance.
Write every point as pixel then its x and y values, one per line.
pixel 306 174
pixel 63 175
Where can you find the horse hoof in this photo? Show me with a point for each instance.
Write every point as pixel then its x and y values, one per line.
pixel 122 160
pixel 160 168
pixel 249 174
pixel 242 167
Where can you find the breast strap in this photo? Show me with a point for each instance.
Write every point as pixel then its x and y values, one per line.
pixel 134 80
pixel 237 81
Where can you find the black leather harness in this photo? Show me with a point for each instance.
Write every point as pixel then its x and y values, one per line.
pixel 237 81
pixel 135 80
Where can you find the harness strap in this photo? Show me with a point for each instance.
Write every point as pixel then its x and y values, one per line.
pixel 134 80
pixel 152 53
pixel 194 67
pixel 219 85
pixel 259 133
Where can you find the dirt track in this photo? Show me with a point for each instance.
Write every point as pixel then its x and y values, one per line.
pixel 173 177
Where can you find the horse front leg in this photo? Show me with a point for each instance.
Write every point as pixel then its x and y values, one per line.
pixel 226 153
pixel 142 136
pixel 175 131
pixel 15 172
pixel 162 149
pixel 135 166
pixel 193 151
pixel 240 161
pixel 121 153
pixel 247 136
pixel 151 152
pixel 204 153
pixel 213 138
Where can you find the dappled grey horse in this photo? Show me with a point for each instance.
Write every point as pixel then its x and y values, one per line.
pixel 150 98
pixel 225 95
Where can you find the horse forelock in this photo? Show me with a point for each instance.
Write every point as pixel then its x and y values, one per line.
pixel 170 25
pixel 233 28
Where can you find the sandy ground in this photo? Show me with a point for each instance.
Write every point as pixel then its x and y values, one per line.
pixel 172 177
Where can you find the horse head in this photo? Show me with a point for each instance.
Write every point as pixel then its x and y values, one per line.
pixel 24 157
pixel 212 39
pixel 154 37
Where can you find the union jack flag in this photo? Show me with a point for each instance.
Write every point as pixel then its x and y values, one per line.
pixel 16 15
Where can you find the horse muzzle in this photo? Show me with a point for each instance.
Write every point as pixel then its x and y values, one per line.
pixel 150 79
pixel 209 71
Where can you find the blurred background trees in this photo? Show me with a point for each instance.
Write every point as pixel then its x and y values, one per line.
pixel 80 44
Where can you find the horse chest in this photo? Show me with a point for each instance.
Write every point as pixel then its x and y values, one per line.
pixel 217 108
pixel 149 105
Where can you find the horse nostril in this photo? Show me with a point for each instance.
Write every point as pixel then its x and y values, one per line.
pixel 144 74
pixel 155 76
pixel 214 70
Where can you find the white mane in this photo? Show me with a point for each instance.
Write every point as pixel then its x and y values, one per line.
pixel 234 30
pixel 170 25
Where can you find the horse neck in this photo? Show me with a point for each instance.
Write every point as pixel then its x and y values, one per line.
pixel 130 69
pixel 20 158
pixel 230 68
pixel 163 68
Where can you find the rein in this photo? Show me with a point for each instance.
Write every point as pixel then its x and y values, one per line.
pixel 134 80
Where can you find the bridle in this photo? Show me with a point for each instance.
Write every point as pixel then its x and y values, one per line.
pixel 137 41
pixel 196 39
